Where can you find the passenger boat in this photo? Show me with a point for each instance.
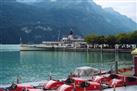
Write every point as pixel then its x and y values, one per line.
pixel 70 42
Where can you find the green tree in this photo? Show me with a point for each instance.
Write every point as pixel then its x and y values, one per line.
pixel 123 38
pixel 133 37
pixel 111 40
pixel 101 40
pixel 91 39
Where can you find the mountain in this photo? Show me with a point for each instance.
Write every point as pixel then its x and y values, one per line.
pixel 43 20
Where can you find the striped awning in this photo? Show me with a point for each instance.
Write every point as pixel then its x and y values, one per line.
pixel 134 52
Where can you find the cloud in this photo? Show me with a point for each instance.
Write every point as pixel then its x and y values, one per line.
pixel 125 7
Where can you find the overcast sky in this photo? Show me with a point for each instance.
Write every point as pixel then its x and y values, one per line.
pixel 125 7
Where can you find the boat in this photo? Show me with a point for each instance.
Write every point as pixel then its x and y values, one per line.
pixel 17 87
pixel 70 42
pixel 84 86
pixel 95 83
pixel 79 75
pixel 116 80
pixel 93 77
pixel 36 47
pixel 82 79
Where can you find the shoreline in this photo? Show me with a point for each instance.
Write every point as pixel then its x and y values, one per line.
pixel 34 48
pixel 79 50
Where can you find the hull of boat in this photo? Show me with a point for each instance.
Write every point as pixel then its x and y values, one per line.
pixel 68 49
pixel 35 48
pixel 45 48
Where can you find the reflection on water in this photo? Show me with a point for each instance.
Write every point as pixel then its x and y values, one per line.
pixel 36 65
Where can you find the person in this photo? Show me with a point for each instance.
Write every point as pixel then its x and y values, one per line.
pixel 69 80
pixel 13 86
pixel 18 79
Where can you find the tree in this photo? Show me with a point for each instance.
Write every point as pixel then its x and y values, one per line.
pixel 111 40
pixel 91 39
pixel 133 37
pixel 101 40
pixel 122 38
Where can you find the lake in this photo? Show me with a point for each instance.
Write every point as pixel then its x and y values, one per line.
pixel 37 65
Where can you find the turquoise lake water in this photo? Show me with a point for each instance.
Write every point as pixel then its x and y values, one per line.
pixel 36 65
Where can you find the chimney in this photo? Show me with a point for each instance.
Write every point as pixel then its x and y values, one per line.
pixel 71 33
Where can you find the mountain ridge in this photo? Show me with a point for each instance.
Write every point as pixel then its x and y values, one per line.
pixel 81 17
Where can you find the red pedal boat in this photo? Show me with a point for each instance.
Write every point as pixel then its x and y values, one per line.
pixel 17 87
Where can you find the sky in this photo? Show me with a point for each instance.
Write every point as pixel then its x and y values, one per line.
pixel 125 7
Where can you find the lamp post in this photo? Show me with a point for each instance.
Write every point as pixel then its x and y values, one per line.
pixel 116 58
pixel 134 53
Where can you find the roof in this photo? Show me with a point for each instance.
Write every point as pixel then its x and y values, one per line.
pixel 134 52
pixel 85 71
pixel 86 68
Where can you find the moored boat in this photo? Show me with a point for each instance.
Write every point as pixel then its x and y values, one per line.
pixel 84 86
pixel 70 42
pixel 17 87
pixel 80 74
